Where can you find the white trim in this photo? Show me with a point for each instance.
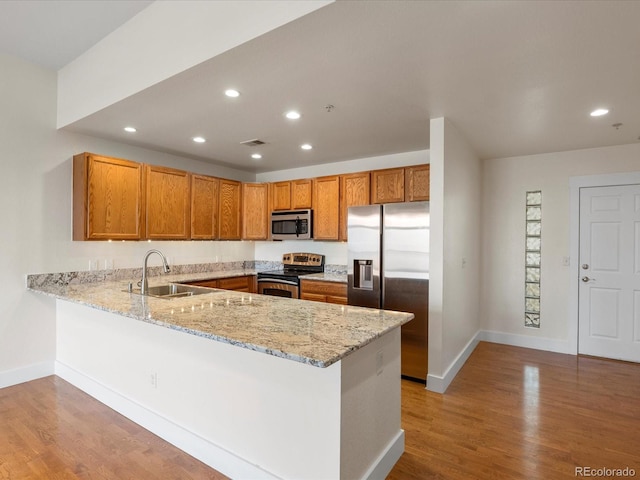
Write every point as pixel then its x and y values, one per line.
pixel 387 459
pixel 575 184
pixel 187 441
pixel 26 374
pixel 440 384
pixel 526 341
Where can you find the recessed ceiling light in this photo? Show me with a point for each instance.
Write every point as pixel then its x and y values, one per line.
pixel 599 112
pixel 292 115
pixel 130 129
pixel 199 139
pixel 232 93
pixel 257 156
pixel 306 146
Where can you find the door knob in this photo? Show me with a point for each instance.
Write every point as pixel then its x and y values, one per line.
pixel 585 279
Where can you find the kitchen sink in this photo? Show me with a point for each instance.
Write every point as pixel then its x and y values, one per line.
pixel 173 290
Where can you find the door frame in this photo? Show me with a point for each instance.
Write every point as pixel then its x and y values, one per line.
pixel 575 184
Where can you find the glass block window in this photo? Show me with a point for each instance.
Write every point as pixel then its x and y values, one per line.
pixel 533 258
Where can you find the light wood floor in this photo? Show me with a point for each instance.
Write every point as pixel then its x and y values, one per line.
pixel 515 413
pixel 511 413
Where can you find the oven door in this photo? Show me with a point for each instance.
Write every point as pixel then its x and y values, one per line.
pixel 278 288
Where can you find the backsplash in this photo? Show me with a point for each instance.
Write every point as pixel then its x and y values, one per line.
pixel 82 277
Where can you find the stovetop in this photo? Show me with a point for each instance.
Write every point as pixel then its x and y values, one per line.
pixel 296 264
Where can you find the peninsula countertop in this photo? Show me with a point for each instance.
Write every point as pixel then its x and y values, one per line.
pixel 314 333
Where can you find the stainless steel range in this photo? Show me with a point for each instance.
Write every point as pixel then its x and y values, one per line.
pixel 286 282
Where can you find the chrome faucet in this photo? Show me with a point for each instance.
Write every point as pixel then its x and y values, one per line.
pixel 144 285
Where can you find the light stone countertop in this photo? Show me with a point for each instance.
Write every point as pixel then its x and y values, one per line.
pixel 314 333
pixel 326 277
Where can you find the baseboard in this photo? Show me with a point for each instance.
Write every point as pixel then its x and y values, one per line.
pixel 440 384
pixel 26 374
pixel 537 343
pixel 387 459
pixel 205 451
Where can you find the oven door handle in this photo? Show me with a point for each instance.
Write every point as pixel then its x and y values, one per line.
pixel 277 280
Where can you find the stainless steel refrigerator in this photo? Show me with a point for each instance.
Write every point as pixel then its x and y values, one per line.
pixel 388 268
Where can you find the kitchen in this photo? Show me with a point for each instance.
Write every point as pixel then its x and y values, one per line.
pixel 37 159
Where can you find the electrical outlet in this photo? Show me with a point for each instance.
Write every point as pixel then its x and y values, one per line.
pixel 93 264
pixel 154 380
pixel 379 362
pixel 566 261
pixel 108 264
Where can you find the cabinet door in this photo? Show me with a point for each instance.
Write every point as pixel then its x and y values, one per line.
pixel 301 193
pixel 281 195
pixel 326 208
pixel 254 211
pixel 229 216
pixel 239 284
pixel 355 189
pixel 387 186
pixel 168 203
pixel 107 198
pixel 204 207
pixel 417 182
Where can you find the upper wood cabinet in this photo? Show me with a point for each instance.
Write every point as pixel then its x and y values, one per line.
pixel 355 190
pixel 326 208
pixel 204 207
pixel 280 195
pixel 387 186
pixel 301 193
pixel 107 198
pixel 230 211
pixel 417 183
pixel 168 203
pixel 291 195
pixel 255 206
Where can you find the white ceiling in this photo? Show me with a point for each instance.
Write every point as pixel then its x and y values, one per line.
pixel 516 78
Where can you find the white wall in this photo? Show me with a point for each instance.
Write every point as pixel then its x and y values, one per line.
pixel 163 40
pixel 455 252
pixel 505 182
pixel 35 160
pixel 335 252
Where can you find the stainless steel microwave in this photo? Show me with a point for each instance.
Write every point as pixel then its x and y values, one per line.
pixel 292 225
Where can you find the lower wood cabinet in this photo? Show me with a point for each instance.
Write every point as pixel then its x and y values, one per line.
pixel 245 283
pixel 321 291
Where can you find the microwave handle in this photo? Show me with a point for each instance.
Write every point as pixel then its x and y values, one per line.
pixel 297 226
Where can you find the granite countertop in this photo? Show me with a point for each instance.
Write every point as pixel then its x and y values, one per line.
pixel 314 333
pixel 326 277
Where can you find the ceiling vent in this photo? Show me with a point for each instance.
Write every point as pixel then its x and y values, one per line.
pixel 253 143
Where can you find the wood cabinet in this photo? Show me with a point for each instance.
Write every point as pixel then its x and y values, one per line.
pixel 355 189
pixel 107 198
pixel 244 283
pixel 416 181
pixel 204 207
pixel 230 211
pixel 168 203
pixel 326 208
pixel 291 195
pixel 255 221
pixel 321 291
pixel 387 186
pixel 301 193
pixel 280 195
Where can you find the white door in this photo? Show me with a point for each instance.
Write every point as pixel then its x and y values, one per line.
pixel 609 294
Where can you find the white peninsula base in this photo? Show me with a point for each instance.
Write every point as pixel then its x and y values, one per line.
pixel 245 413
